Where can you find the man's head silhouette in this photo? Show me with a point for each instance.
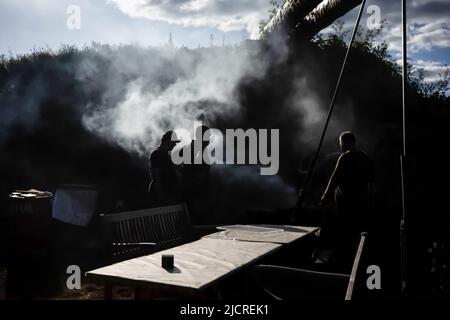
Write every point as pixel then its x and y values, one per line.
pixel 169 140
pixel 347 141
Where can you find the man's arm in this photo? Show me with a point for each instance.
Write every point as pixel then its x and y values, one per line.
pixel 371 185
pixel 156 184
pixel 155 175
pixel 334 180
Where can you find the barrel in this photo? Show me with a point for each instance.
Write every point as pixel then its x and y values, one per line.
pixel 28 225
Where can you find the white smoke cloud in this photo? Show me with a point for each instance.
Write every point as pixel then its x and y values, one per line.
pixel 199 85
pixel 223 15
pixel 172 88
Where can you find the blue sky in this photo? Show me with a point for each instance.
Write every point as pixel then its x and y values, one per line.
pixel 29 24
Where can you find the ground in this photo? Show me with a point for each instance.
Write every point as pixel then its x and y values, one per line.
pixel 88 291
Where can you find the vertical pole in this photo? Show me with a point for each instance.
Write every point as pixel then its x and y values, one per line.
pixel 404 71
pixel 403 246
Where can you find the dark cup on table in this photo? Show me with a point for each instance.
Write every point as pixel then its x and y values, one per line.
pixel 167 261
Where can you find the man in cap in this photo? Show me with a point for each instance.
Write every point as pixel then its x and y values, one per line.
pixel 165 178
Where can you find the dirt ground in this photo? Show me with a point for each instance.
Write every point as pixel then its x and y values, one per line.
pixel 88 291
pixel 94 292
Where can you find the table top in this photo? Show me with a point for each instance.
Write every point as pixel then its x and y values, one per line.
pixel 284 235
pixel 200 263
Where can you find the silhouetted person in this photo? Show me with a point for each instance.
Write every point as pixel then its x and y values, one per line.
pixel 351 185
pixel 196 178
pixel 166 186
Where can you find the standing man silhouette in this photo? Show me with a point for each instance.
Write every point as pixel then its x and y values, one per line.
pixel 196 177
pixel 351 184
pixel 166 187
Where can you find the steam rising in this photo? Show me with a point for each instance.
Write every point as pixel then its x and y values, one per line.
pixel 173 90
pixel 129 96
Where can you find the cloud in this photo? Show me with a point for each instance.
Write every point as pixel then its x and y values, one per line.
pixel 224 15
pixel 433 70
pixel 428 19
pixel 428 23
pixel 428 36
pixel 428 30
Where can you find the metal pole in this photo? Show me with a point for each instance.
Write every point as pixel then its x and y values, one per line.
pixel 403 247
pixel 331 108
pixel 404 71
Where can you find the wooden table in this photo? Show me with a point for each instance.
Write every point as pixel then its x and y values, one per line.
pixel 199 264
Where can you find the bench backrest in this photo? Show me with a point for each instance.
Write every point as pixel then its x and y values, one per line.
pixel 166 226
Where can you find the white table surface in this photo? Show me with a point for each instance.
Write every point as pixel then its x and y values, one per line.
pixel 199 263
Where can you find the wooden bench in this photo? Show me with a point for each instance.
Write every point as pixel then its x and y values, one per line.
pixel 136 233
